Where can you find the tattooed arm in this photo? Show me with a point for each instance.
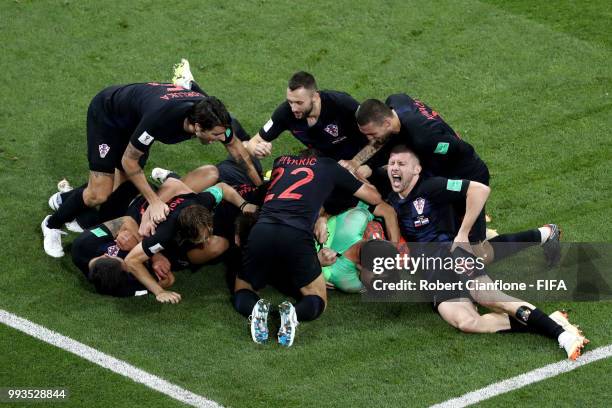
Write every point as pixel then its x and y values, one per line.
pixel 242 157
pixel 134 172
pixel 125 231
pixel 362 156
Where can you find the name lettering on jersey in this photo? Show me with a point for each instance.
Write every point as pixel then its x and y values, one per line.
pixel 268 125
pixel 156 248
pixel 171 205
pixel 423 110
pixel 177 95
pixel 174 203
pixel 146 139
pixel 332 129
pixel 442 148
pixel 176 91
pixel 419 205
pixel 103 149
pixel 112 250
pixel 305 161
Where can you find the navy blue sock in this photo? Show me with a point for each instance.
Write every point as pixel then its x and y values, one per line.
pixel 69 209
pixel 244 300
pixel 117 203
pixel 506 245
pixel 309 308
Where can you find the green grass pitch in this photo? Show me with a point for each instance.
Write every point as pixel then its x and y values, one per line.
pixel 527 83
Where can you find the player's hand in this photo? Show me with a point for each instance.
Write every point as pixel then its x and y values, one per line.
pixel 161 266
pixel 250 209
pixel 126 240
pixel 168 297
pixel 320 230
pixel 350 165
pixel 462 241
pixel 327 256
pixel 262 149
pixel 158 211
pixel 147 226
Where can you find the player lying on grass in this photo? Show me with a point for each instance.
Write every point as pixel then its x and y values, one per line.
pixel 421 204
pixel 100 251
pixel 187 230
pixel 281 244
pixel 123 122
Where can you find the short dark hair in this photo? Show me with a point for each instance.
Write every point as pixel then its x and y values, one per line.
pixel 372 111
pixel 209 113
pixel 243 225
pixel 107 275
pixel 191 220
pixel 304 80
pixel 402 148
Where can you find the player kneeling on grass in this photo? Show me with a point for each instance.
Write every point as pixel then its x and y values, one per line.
pixel 422 204
pixel 99 253
pixel 281 244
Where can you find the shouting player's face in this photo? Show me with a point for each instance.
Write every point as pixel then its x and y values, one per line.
pixel 402 169
pixel 301 102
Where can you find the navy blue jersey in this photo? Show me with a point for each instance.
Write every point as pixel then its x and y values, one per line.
pixel 441 151
pixel 335 134
pixel 165 237
pixel 93 243
pixel 147 112
pixel 100 241
pixel 425 215
pixel 298 188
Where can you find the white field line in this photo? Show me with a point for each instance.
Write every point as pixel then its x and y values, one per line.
pixel 514 383
pixel 106 361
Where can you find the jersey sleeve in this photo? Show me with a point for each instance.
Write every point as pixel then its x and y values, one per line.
pixel 229 136
pixel 160 240
pixel 443 190
pixel 208 198
pixel 343 178
pixel 144 135
pixel 277 123
pixel 216 192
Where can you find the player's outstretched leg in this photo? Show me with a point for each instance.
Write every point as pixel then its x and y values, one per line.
pixel 259 321
pixel 289 323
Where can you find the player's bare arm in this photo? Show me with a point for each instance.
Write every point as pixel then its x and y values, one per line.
pixel 369 194
pixel 135 262
pixel 231 196
pixel 387 212
pixel 242 157
pixel 362 156
pixel 134 172
pixel 477 195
